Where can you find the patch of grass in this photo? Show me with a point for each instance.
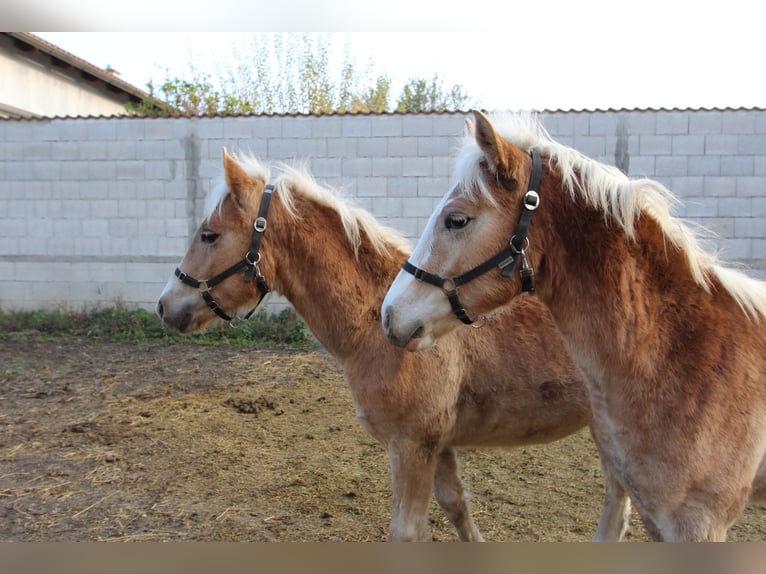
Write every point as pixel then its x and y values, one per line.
pixel 120 324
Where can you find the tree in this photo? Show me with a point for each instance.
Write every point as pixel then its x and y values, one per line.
pixel 289 73
pixel 185 97
pixel 420 95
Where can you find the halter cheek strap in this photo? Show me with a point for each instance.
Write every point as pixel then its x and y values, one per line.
pixel 506 259
pixel 250 263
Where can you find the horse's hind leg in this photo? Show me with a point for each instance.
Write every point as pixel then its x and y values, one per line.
pixel 451 496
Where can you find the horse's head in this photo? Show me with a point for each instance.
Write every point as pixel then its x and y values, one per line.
pixel 222 273
pixel 465 262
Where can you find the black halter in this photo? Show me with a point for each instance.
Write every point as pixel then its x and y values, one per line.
pixel 506 259
pixel 249 263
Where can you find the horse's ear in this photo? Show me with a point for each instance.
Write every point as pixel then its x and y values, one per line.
pixel 490 142
pixel 507 159
pixel 470 127
pixel 236 177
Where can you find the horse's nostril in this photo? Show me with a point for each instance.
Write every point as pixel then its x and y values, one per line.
pixel 160 310
pixel 387 318
pixel 418 333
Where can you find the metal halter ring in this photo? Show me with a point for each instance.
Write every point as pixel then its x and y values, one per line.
pixel 524 245
pixel 449 285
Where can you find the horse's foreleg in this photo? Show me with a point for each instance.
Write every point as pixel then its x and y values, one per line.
pixel 615 516
pixel 452 497
pixel 412 473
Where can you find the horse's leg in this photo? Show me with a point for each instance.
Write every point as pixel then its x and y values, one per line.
pixel 412 474
pixel 690 528
pixel 615 516
pixel 452 498
pixel 692 522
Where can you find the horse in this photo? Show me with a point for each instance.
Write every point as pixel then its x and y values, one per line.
pixel 671 342
pixel 333 261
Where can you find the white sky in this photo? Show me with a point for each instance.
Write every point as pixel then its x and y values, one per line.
pixel 586 54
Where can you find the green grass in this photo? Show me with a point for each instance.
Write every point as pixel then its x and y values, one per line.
pixel 120 324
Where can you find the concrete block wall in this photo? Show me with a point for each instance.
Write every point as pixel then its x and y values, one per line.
pixel 713 161
pixel 95 211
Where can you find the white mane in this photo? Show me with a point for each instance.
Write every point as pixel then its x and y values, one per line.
pixel 295 181
pixel 622 200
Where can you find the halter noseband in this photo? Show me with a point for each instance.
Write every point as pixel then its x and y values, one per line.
pixel 506 259
pixel 250 263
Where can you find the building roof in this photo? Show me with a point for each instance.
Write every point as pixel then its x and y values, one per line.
pixel 33 45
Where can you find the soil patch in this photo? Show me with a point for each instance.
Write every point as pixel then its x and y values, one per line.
pixel 106 441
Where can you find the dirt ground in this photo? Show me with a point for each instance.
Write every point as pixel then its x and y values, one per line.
pixel 106 441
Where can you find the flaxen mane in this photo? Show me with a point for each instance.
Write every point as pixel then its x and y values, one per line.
pixel 622 201
pixel 297 181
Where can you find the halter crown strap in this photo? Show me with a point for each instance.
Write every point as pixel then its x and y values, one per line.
pixel 259 227
pixel 530 203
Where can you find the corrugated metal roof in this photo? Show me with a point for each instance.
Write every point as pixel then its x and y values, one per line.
pixel 394 113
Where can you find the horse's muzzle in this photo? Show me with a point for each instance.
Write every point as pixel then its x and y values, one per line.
pixel 412 340
pixel 179 319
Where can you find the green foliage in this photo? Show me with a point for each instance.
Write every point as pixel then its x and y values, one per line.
pixel 196 97
pixel 292 73
pixel 420 95
pixel 284 328
pixel 120 324
pixel 275 73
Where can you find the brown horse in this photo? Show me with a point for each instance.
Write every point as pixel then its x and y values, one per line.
pixel 477 388
pixel 672 344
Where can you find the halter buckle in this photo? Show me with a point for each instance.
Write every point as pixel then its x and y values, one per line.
pixel 260 224
pixel 531 200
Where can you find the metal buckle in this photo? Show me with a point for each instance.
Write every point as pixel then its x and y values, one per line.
pixel 260 224
pixel 531 200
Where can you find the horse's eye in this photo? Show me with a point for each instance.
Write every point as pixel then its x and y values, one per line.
pixel 208 237
pixel 456 221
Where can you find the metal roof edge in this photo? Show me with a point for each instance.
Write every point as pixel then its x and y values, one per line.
pixel 389 114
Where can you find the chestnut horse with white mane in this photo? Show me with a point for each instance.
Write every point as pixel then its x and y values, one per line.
pixel 477 388
pixel 671 343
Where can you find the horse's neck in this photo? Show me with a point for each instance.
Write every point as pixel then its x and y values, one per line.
pixel 607 293
pixel 337 294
